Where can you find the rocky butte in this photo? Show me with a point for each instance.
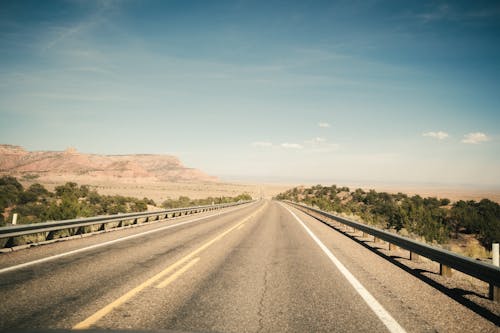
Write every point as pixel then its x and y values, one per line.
pixel 76 166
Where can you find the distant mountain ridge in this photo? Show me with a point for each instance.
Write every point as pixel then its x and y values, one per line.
pixel 16 161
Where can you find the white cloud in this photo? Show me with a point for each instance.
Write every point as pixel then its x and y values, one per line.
pixel 316 140
pixel 291 145
pixel 320 145
pixel 262 144
pixel 323 125
pixel 437 135
pixel 475 138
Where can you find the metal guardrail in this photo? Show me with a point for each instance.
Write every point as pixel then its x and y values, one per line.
pixel 480 270
pixel 47 230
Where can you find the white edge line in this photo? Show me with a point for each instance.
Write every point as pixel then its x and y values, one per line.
pixel 87 248
pixel 376 307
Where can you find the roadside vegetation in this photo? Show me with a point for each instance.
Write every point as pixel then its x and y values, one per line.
pixel 37 204
pixel 184 201
pixel 434 220
pixel 68 201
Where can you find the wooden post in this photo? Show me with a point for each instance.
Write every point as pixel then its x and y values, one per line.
pixel 495 290
pixel 14 218
pixel 444 270
pixel 414 257
pixel 392 247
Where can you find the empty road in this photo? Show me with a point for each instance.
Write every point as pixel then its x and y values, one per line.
pixel 262 267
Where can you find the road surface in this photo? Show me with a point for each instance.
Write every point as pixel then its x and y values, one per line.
pixel 263 267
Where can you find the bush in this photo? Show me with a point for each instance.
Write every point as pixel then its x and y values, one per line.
pixel 69 201
pixel 10 191
pixel 184 201
pixel 425 217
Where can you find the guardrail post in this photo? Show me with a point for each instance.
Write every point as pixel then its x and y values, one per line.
pixel 495 290
pixel 14 218
pixel 392 247
pixel 444 270
pixel 414 257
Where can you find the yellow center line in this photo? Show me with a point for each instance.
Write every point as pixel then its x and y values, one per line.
pixel 174 276
pixel 122 299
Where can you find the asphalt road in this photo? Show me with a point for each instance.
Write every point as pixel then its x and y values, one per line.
pixel 256 268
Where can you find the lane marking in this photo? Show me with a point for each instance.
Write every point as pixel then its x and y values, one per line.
pixel 376 307
pixel 174 276
pixel 95 246
pixel 85 324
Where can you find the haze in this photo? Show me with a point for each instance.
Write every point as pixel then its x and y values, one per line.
pixel 292 91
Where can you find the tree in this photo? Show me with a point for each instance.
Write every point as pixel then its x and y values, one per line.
pixel 68 189
pixel 10 190
pixel 69 208
pixel 33 193
pixel 8 180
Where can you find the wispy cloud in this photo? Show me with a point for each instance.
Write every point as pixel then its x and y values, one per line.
pixel 440 12
pixel 61 33
pixel 78 97
pixel 261 144
pixel 324 125
pixel 475 138
pixel 90 69
pixel 454 12
pixel 315 145
pixel 292 145
pixel 320 145
pixel 316 140
pixel 440 135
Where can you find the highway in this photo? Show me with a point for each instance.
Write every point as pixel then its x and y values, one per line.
pixel 261 267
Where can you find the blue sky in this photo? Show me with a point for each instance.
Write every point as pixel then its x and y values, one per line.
pixel 285 91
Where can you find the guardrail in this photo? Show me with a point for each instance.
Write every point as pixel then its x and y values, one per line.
pixel 11 235
pixel 446 259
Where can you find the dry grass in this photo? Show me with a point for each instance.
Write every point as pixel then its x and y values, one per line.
pixel 469 246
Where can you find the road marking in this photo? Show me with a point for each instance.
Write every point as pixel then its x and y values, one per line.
pixel 241 226
pixel 174 276
pixel 376 307
pixel 91 247
pixel 108 308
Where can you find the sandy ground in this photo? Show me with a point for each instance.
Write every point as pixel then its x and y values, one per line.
pixel 160 191
pixel 454 193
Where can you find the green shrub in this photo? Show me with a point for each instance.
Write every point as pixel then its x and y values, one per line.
pixel 425 217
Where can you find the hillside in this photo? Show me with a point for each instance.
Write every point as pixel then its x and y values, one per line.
pixel 16 161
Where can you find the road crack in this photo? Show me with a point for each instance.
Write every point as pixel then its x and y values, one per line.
pixel 261 303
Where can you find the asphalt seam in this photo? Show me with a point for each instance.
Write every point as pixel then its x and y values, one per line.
pixel 102 312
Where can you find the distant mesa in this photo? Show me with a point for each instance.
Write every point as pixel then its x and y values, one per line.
pixel 16 161
pixel 71 150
